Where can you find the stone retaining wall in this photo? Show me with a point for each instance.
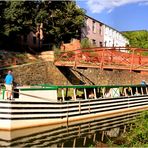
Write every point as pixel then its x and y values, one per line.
pixel 47 72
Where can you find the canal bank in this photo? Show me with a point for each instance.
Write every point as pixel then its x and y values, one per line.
pixel 40 69
pixel 46 72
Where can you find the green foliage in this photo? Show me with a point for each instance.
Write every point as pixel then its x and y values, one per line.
pixel 21 56
pixel 85 43
pixel 56 50
pixel 137 38
pixel 62 20
pixel 145 53
pixel 138 135
pixel 19 17
pixel 2 20
pixel 2 8
pixel 65 21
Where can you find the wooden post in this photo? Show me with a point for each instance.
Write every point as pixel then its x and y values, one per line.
pixel 137 90
pixel 85 94
pixel 125 92
pixel 142 90
pixel 74 143
pixel 95 95
pixel 94 138
pixel 124 130
pixel 147 90
pixel 62 145
pixel 131 91
pixel 74 93
pixel 102 138
pixel 84 142
pixel 63 94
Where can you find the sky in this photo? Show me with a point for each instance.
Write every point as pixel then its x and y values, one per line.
pixel 122 15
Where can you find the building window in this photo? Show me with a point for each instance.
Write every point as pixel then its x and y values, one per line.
pixel 94 27
pixel 101 44
pixel 86 18
pixel 100 31
pixel 94 42
pixel 34 39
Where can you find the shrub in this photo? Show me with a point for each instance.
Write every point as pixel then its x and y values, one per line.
pixel 56 50
pixel 138 136
pixel 85 43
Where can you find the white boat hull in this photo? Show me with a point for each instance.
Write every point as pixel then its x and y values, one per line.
pixel 24 114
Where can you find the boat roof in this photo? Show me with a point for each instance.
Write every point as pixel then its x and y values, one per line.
pixel 55 87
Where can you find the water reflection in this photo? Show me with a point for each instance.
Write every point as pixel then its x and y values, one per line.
pixel 75 134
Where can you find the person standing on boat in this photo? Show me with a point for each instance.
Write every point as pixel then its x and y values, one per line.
pixel 9 84
pixel 143 83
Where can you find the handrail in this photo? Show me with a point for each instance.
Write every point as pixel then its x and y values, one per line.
pixel 87 86
pixel 104 57
pixel 114 91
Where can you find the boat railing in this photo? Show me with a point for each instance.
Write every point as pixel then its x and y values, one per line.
pixel 99 92
pixel 75 110
pixel 82 92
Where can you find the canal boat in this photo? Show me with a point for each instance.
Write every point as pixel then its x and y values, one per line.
pixel 39 105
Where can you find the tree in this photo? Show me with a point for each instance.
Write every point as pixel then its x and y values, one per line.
pixel 137 38
pixel 19 19
pixel 2 20
pixel 19 16
pixel 62 20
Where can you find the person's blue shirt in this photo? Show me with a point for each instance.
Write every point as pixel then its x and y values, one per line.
pixel 143 83
pixel 9 79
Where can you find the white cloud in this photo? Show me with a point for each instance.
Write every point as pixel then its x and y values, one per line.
pixel 96 6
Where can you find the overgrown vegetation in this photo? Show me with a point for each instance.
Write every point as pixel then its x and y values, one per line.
pixel 85 43
pixel 138 135
pixel 57 51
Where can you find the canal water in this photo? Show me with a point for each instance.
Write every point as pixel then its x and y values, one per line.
pixel 75 134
